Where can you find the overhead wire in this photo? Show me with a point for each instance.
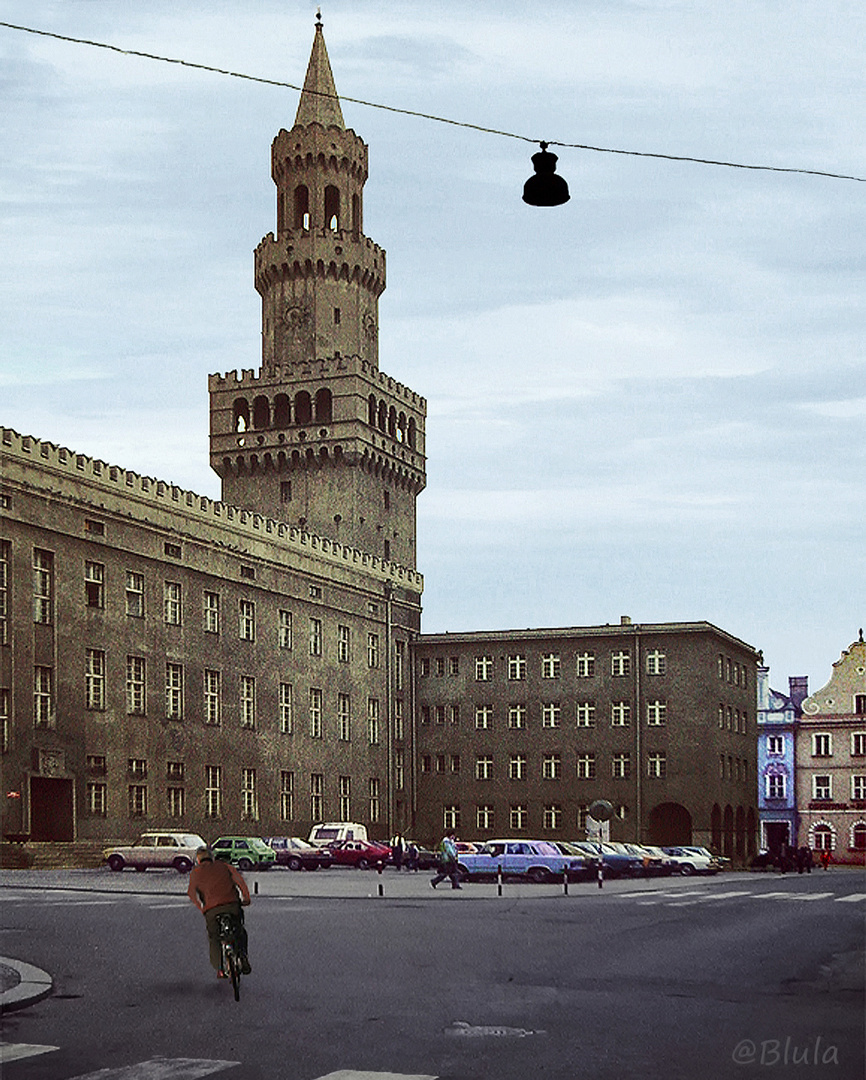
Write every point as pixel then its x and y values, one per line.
pixel 431 116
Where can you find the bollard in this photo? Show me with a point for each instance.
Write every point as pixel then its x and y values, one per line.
pixel 255 888
pixel 379 871
pixel 499 881
pixel 564 882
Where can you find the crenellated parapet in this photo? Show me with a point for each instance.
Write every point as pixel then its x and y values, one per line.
pixel 338 257
pixel 92 482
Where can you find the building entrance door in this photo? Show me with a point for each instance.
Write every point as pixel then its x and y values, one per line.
pixel 778 834
pixel 51 809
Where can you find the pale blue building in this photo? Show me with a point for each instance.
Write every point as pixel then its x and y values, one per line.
pixel 778 715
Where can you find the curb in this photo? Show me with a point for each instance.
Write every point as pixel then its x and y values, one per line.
pixel 33 985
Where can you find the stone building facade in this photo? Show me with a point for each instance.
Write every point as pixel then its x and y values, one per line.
pixel 831 761
pixel 520 731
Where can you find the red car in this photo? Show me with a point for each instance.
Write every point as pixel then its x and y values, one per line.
pixel 360 853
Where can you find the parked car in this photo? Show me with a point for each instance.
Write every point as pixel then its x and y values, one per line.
pixel 724 863
pixel 657 862
pixel 329 832
pixel 156 849
pixel 537 860
pixel 244 852
pixel 692 861
pixel 360 853
pixel 297 854
pixel 587 867
pixel 616 864
pixel 425 858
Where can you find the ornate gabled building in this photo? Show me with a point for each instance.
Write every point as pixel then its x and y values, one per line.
pixel 778 715
pixel 831 761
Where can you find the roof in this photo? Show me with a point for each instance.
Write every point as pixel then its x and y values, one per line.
pixel 319 103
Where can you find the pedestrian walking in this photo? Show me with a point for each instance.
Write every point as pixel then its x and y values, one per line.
pixel 447 862
pixel 825 857
pixel 397 851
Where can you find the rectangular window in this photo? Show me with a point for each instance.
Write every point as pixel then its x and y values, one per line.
pixel 315 713
pixel 286 723
pixel 374 799
pixel 440 665
pixel 94 681
pixel 249 795
pixel 484 767
pixel 426 763
pixel 551 767
pixel 451 817
pixel 344 722
pixel 5 559
pixel 620 713
pixel 425 714
pixel 174 691
pixel 775 744
pixel 287 794
pixel 372 650
pixel 423 667
pixel 43 696
pixel 345 798
pixel 174 770
pixel 172 602
pixel 96 793
pixel 175 798
pixel 775 787
pixel 399 770
pixel 822 788
pixel 94 584
pixel 484 817
pixel 483 717
pixel 620 766
pixel 440 714
pixel 483 668
pixel 453 665
pixel 399 663
pixel 586 766
pixel 5 722
pixel 550 666
pixel 553 817
pixel 284 631
pixel 656 713
pixel 43 585
pixel 585 665
pixel 285 491
pixel 211 612
pixel 137 768
pixel 519 817
pixel 657 765
pixel 860 704
pixel 135 686
pixel 248 701
pixel 822 745
pixel 550 714
pixel 173 551
pixel 585 714
pixel 517 716
pixel 213 800
pixel 134 594
pixel 517 767
pixel 315 637
pixel 858 744
pixel 399 723
pixel 343 638
pixel 516 667
pixel 247 620
pixel 455 714
pixel 858 788
pixel 317 796
pixel 211 697
pixel 620 663
pixel 138 800
pixel 373 721
pixel 656 663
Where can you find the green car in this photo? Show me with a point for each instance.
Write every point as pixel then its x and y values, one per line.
pixel 244 852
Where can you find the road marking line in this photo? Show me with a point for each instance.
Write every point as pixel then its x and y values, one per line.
pixel 809 896
pixel 17 1051
pixel 851 898
pixel 354 1074
pixel 769 895
pixel 725 895
pixel 161 1068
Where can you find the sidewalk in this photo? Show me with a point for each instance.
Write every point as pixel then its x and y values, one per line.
pixel 21 984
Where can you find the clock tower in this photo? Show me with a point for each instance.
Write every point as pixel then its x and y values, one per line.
pixel 319 437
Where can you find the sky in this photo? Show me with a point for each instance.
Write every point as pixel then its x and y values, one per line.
pixel 648 402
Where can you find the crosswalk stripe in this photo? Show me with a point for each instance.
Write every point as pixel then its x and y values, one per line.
pixel 851 898
pixel 354 1074
pixel 809 896
pixel 160 1068
pixel 17 1051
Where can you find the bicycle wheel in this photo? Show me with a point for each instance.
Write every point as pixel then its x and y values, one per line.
pixel 235 971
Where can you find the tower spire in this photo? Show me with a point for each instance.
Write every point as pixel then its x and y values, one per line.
pixel 319 103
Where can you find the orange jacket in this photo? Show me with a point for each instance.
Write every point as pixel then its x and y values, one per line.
pixel 212 884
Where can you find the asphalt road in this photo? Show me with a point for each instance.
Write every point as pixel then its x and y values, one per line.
pixel 682 979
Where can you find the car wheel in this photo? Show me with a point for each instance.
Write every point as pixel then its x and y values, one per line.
pixel 363 864
pixel 182 865
pixel 539 875
pixel 244 864
pixel 115 862
pixel 294 863
pixel 687 869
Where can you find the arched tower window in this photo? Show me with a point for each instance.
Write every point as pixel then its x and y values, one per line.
pixel 261 413
pixel 332 207
pixel 302 207
pixel 411 433
pixel 356 214
pixel 371 410
pixel 324 406
pixel 401 427
pixel 392 422
pixel 303 408
pixel 382 423
pixel 282 417
pixel 241 411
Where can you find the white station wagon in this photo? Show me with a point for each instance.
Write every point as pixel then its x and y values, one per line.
pixel 537 860
pixel 163 849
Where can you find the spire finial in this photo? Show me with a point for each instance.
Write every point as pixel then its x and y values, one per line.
pixel 318 16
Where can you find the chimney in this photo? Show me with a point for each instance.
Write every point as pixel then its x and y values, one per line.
pixel 625 620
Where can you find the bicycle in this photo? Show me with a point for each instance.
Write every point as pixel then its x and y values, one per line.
pixel 228 928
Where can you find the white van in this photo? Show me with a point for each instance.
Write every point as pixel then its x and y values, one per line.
pixel 329 832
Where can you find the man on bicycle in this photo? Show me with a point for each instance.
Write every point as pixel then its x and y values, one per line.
pixel 216 888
